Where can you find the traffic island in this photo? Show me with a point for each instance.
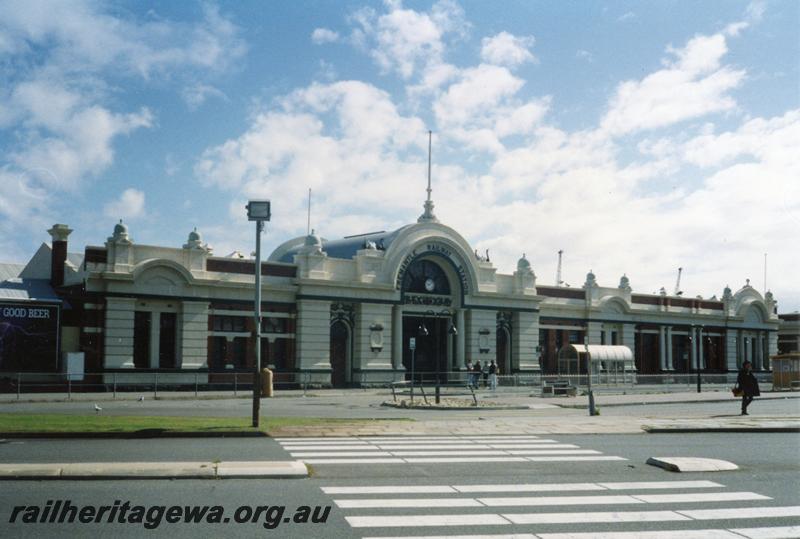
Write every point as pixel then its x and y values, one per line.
pixel 691 464
pixel 156 470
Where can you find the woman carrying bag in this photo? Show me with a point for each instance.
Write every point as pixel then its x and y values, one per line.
pixel 747 386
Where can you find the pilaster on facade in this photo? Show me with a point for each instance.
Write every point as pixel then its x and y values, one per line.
pixel 397 337
pixel 732 347
pixel 629 336
pixel 524 340
pixel 193 324
pixel 373 337
pixel 772 347
pixel 313 338
pixel 668 347
pixel 460 357
pixel 662 348
pixel 594 332
pixel 481 335
pixel 118 352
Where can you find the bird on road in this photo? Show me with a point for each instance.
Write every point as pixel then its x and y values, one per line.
pixel 97 408
pixel 141 398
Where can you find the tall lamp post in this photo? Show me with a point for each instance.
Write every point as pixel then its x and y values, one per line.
pixel 588 374
pixel 258 211
pixel 699 353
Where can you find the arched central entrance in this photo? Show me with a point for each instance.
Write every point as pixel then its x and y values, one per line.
pixel 428 317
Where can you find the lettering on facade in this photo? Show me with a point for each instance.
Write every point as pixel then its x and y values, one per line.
pixel 442 250
pixel 436 301
pixel 22 312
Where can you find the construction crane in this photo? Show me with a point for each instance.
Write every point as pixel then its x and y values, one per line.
pixel 559 282
pixel 678 283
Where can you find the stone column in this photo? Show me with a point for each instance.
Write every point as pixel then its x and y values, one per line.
pixel 482 328
pixel 692 336
pixel 594 329
pixel 629 336
pixel 662 350
pixel 372 347
pixel 119 333
pixel 759 359
pixel 397 337
pixel 155 339
pixel 524 340
pixel 731 349
pixel 772 347
pixel 670 362
pixel 701 362
pixel 460 358
pixel 314 339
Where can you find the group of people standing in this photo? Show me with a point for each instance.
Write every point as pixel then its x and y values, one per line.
pixel 487 372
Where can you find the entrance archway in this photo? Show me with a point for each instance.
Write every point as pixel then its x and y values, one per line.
pixel 340 353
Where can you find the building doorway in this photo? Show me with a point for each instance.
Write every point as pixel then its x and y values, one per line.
pixel 431 355
pixel 340 349
pixel 503 360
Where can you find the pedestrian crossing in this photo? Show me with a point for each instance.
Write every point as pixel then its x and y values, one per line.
pixel 437 450
pixel 689 509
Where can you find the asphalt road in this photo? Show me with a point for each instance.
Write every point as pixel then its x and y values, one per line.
pixel 768 463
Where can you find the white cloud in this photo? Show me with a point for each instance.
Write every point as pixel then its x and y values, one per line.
pixel 129 205
pixel 197 94
pixel 404 40
pixel 321 36
pixel 691 86
pixel 507 49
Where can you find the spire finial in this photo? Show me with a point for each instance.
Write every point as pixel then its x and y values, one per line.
pixel 428 215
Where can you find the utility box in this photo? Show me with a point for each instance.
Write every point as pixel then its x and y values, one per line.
pixel 72 366
pixel 266 383
pixel 786 371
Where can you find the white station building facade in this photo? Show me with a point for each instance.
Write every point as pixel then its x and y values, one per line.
pixel 342 312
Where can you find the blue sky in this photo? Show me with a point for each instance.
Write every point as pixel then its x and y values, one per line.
pixel 636 136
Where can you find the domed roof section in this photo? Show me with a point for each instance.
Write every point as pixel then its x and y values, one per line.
pixel 312 240
pixel 120 233
pixel 194 236
pixel 523 264
pixel 343 248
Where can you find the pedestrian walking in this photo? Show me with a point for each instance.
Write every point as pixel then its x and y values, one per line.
pixel 476 371
pixel 485 375
pixel 493 376
pixel 747 383
pixel 470 374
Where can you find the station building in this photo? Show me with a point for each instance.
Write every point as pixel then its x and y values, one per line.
pixel 343 311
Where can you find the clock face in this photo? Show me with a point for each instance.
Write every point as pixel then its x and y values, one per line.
pixel 429 285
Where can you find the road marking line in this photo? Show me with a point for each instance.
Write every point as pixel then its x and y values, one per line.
pixel 342 454
pixel 541 487
pixel 558 500
pixel 413 521
pixel 445 453
pixel 388 503
pixel 482 536
pixel 516 446
pixel 554 452
pixel 660 484
pixel 355 461
pixel 742 512
pixel 574 518
pixel 572 459
pixel 703 497
pixel 464 459
pixel 332 448
pixel 684 534
pixel 396 489
pixel 543 446
pixel 434 446
pixel 778 532
pixel 323 444
pixel 316 439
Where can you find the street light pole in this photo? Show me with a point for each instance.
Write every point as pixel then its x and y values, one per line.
pixel 589 375
pixel 697 355
pixel 258 211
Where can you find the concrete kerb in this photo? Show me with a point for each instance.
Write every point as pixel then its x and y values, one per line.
pixel 156 470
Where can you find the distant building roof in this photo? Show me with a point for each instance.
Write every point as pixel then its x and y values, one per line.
pixel 15 288
pixel 342 248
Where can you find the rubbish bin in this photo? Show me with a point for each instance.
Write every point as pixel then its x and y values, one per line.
pixel 266 383
pixel 786 371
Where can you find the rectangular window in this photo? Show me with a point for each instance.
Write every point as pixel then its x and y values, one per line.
pixel 229 323
pixel 274 325
pixel 167 341
pixel 614 338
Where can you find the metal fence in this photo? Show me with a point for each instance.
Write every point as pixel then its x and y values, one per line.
pixel 235 383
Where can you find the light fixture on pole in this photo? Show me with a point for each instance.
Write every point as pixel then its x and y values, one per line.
pixel 258 211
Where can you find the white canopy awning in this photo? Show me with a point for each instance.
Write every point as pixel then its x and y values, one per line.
pixel 597 352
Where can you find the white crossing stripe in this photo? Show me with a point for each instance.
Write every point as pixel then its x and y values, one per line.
pixel 425 520
pixel 445 453
pixel 558 500
pixel 742 512
pixel 396 489
pixel 700 498
pixel 435 446
pixel 326 442
pixel 554 452
pixel 333 448
pixel 465 459
pixel 380 460
pixel 614 516
pixel 684 534
pixel 567 458
pixel 634 485
pixel 541 487
pixel 778 532
pixel 482 536
pixel 388 503
pixel 341 454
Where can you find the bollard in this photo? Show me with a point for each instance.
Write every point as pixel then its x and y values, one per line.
pixel 266 382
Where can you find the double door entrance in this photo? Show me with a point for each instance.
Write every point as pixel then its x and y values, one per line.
pixel 433 353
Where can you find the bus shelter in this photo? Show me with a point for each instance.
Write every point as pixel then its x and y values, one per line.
pixel 786 371
pixel 610 364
